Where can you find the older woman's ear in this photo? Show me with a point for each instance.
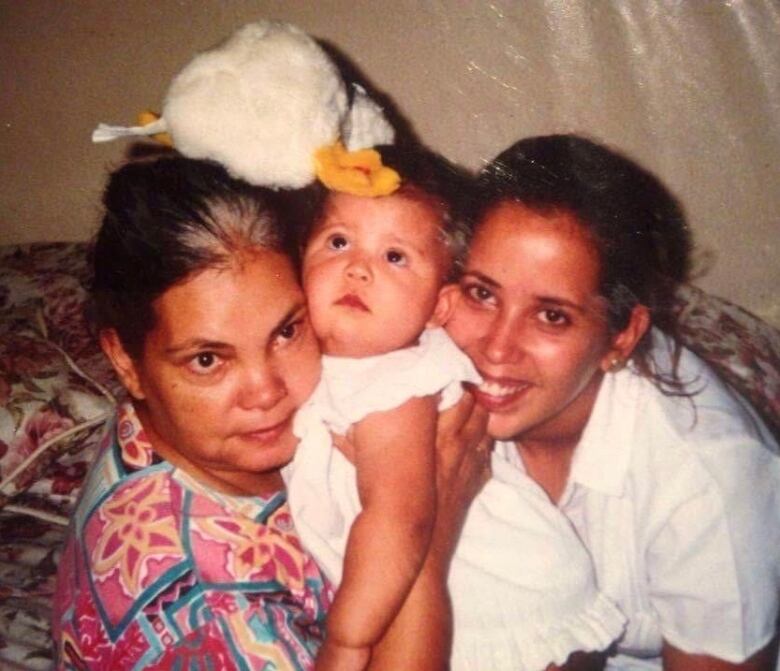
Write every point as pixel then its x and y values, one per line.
pixel 445 305
pixel 123 363
pixel 625 341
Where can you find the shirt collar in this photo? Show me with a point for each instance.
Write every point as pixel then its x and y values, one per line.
pixel 134 446
pixel 601 459
pixel 137 453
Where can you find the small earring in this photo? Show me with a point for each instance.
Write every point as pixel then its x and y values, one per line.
pixel 615 364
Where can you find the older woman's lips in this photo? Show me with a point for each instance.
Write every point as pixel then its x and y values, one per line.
pixel 352 301
pixel 268 434
pixel 495 394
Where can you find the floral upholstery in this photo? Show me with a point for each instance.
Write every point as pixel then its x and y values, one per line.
pixel 28 559
pixel 50 407
pixel 56 389
pixel 51 415
pixel 744 350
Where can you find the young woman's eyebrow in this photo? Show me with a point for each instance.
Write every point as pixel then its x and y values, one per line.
pixel 482 278
pixel 556 300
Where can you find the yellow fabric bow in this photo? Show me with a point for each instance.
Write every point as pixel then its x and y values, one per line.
pixel 359 173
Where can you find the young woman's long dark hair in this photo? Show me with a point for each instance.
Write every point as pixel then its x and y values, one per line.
pixel 635 224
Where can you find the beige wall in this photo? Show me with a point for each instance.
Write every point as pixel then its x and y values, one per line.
pixel 692 89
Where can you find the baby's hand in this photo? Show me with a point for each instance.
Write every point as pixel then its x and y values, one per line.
pixel 335 657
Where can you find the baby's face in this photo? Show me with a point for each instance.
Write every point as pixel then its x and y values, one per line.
pixel 372 271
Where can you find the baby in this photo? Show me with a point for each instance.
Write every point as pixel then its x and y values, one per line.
pixel 362 486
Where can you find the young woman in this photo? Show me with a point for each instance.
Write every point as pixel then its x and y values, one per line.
pixel 670 480
pixel 182 549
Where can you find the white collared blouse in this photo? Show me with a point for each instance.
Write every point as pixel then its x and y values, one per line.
pixel 678 501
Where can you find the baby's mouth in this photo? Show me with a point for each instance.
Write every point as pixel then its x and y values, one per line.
pixel 352 301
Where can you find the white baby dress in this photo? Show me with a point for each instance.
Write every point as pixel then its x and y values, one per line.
pixel 321 482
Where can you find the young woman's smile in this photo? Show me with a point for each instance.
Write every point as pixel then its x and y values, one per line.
pixel 530 317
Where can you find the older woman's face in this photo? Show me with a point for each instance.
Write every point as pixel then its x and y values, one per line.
pixel 230 359
pixel 530 317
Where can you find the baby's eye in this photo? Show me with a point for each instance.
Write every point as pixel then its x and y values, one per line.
pixel 554 317
pixel 204 363
pixel 337 241
pixel 396 258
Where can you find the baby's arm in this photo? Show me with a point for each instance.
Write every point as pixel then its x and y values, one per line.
pixel 395 463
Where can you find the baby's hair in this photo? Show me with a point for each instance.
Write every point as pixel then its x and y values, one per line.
pixel 431 178
pixel 426 177
pixel 164 220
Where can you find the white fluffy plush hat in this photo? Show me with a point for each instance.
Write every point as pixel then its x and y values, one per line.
pixel 263 103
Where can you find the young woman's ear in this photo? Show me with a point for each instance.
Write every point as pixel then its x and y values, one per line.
pixel 445 305
pixel 623 343
pixel 122 362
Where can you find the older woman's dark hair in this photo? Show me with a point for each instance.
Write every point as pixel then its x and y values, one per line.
pixel 164 220
pixel 637 226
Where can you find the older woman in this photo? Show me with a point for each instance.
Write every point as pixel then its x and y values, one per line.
pixel 182 549
pixel 671 482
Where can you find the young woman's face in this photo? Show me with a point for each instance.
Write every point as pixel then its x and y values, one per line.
pixel 230 359
pixel 372 271
pixel 530 317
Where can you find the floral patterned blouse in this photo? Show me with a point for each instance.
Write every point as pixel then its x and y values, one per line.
pixel 161 572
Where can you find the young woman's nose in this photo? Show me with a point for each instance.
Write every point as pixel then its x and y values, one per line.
pixel 261 387
pixel 502 342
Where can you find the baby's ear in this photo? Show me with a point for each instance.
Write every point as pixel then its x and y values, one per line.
pixel 445 305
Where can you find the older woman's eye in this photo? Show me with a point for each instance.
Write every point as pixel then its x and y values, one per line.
pixel 204 362
pixel 289 332
pixel 396 258
pixel 337 242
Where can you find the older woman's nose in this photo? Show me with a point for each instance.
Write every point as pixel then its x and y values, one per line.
pixel 262 388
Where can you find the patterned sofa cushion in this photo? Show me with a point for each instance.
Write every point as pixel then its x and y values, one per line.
pixel 743 349
pixel 49 408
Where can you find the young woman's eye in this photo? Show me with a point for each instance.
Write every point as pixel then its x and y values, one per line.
pixel 554 317
pixel 478 293
pixel 204 363
pixel 337 242
pixel 396 258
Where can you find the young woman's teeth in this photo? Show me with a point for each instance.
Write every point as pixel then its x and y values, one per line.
pixel 497 389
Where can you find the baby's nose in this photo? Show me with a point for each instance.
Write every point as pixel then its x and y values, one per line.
pixel 358 269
